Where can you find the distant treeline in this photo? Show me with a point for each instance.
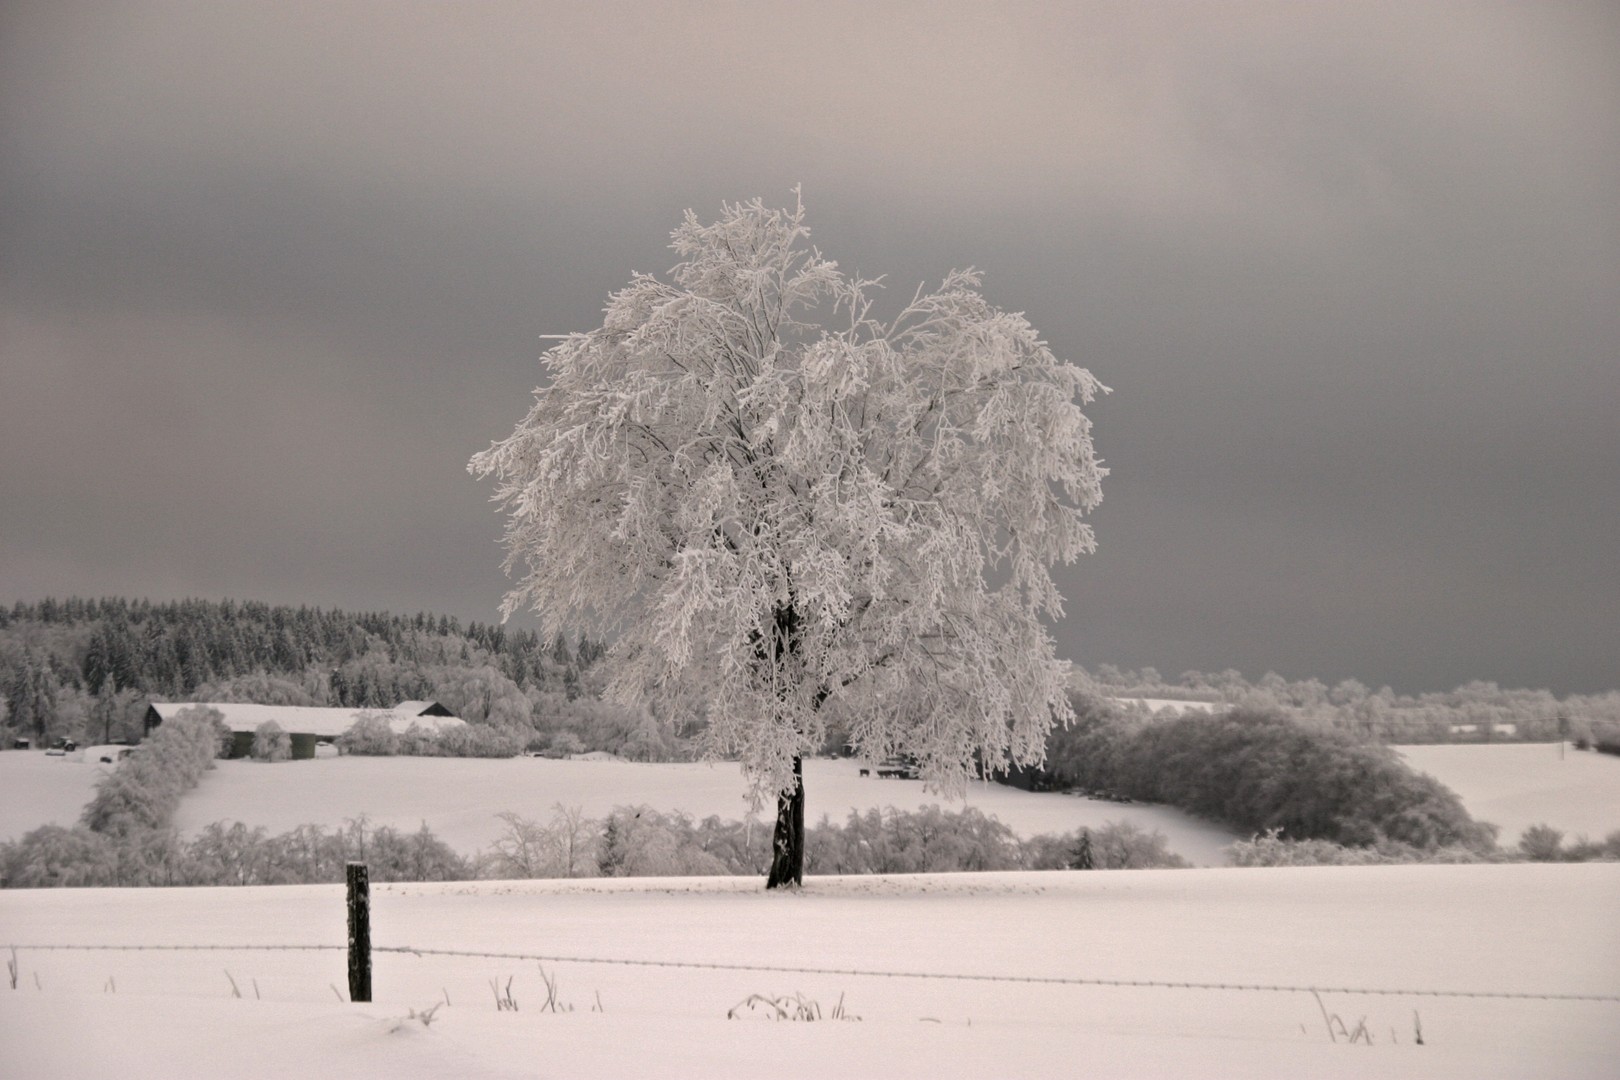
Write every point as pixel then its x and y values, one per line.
pixel 86 669
pixel 1474 712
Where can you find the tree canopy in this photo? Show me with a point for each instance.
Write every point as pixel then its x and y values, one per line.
pixel 783 508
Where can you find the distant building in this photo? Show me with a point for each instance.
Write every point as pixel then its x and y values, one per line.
pixel 1476 729
pixel 1175 705
pixel 422 708
pixel 306 724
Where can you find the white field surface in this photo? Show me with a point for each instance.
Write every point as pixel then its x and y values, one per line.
pixel 459 798
pixel 1526 928
pixel 1517 785
pixel 39 789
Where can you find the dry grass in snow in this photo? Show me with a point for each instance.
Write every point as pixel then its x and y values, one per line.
pixel 1462 928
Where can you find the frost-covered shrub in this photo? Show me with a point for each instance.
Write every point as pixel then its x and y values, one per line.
pixel 271 743
pixel 565 847
pixel 418 741
pixel 369 734
pixel 900 842
pixel 1116 845
pixel 51 856
pixel 564 744
pixel 1125 845
pixel 480 740
pixel 1541 843
pixel 1269 849
pixel 144 790
pixel 417 856
pixel 1582 849
pixel 638 841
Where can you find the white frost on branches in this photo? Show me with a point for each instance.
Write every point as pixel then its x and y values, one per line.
pixel 786 509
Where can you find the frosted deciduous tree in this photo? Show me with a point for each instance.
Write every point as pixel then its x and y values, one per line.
pixel 784 509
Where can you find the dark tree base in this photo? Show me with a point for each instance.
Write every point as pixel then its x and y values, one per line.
pixel 787 844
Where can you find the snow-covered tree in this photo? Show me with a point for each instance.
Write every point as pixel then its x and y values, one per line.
pixel 783 509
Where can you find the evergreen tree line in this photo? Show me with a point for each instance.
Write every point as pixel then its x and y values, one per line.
pixel 86 669
pixel 1259 771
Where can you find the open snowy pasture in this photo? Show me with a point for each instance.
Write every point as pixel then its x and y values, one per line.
pixel 1517 785
pixel 41 789
pixel 1532 929
pixel 459 798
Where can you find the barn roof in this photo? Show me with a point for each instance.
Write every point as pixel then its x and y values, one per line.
pixel 303 719
pixel 421 708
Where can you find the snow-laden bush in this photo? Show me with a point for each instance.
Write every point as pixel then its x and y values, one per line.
pixel 1270 849
pixel 144 790
pixel 1116 845
pixel 565 847
pixel 907 842
pixel 271 743
pixel 480 740
pixel 370 734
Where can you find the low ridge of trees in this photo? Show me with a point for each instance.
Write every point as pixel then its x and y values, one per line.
pixel 86 670
pixel 1259 771
pixel 631 841
pixel 1475 711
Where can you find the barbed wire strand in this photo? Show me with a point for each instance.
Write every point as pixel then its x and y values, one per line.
pixel 1050 980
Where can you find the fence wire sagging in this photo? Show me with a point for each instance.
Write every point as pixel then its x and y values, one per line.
pixel 792 969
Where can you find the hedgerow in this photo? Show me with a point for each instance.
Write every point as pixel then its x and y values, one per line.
pixel 1260 771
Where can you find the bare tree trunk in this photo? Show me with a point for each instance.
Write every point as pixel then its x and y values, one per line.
pixel 787 846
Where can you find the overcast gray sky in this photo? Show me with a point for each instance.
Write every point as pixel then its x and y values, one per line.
pixel 270 273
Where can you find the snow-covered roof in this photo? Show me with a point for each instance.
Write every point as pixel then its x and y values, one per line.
pixel 304 719
pixel 1153 704
pixel 413 708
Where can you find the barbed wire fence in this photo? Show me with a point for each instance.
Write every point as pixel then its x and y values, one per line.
pixel 873 973
pixel 360 950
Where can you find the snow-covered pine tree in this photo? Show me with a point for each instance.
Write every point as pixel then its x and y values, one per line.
pixel 781 508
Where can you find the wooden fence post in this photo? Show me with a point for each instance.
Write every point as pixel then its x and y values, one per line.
pixel 359 932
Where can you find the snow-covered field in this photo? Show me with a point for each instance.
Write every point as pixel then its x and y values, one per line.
pixel 459 798
pixel 39 789
pixel 1538 929
pixel 1517 785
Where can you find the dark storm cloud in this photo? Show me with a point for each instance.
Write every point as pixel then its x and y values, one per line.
pixel 271 274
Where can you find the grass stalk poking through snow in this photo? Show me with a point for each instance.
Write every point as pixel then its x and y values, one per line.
pixel 797 1007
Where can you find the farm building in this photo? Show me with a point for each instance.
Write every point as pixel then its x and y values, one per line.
pixel 307 725
pixel 1476 729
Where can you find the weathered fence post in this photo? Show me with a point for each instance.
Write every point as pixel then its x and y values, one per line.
pixel 359 932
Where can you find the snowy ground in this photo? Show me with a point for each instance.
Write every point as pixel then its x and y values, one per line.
pixel 1517 785
pixel 1540 929
pixel 37 789
pixel 459 798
